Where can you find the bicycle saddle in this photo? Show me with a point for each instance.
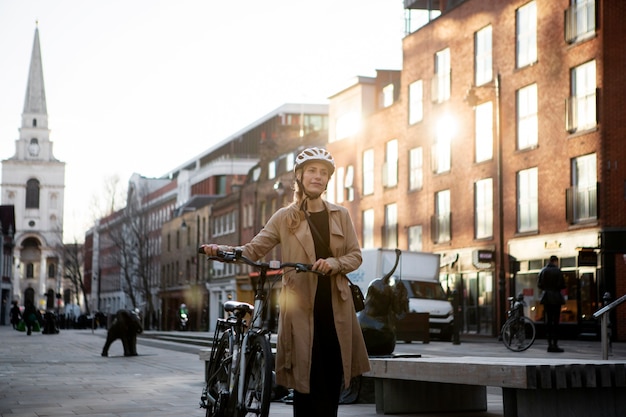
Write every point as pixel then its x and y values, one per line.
pixel 239 308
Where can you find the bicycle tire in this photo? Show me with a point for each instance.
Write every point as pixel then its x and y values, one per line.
pixel 258 378
pixel 216 376
pixel 518 334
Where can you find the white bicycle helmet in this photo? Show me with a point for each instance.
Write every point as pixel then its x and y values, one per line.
pixel 315 154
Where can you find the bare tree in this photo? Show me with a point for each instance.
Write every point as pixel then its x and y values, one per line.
pixel 73 256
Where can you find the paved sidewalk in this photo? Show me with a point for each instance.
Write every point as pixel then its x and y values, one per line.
pixel 64 375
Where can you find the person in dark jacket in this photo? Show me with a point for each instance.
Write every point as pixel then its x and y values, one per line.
pixel 30 316
pixel 551 281
pixel 16 314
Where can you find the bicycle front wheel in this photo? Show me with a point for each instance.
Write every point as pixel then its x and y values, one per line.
pixel 258 378
pixel 518 334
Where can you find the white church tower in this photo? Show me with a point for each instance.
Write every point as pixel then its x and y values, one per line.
pixel 33 181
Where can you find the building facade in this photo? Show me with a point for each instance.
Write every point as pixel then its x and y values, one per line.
pixel 33 181
pixel 498 147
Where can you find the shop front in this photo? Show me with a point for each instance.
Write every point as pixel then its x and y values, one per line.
pixel 473 280
pixel 581 268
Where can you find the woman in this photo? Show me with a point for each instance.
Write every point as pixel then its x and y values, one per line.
pixel 319 338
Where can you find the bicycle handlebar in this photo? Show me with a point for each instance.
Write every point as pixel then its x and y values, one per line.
pixel 236 256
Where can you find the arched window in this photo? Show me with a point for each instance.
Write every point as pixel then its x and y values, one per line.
pixel 34 122
pixel 32 194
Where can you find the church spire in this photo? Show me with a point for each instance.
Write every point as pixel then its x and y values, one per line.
pixel 35 101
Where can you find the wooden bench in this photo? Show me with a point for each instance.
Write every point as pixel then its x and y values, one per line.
pixel 530 387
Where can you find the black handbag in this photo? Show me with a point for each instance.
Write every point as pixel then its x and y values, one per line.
pixel 357 295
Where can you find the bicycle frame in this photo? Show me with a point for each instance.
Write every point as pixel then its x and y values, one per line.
pixel 244 343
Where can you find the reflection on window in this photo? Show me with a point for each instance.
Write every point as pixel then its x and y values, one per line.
pixel 581 104
pixel 582 204
pixel 416 103
pixel 527 200
pixel 441 226
pixel 416 165
pixel 391 226
pixel 527 34
pixel 527 124
pixel 441 81
pixel 390 168
pixel 368 228
pixel 368 172
pixel 483 58
pixel 484 208
pixel 415 238
pixel 484 131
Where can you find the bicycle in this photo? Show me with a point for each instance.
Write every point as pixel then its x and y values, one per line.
pixel 239 373
pixel 518 332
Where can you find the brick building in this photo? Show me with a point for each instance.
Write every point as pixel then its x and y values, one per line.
pixel 498 144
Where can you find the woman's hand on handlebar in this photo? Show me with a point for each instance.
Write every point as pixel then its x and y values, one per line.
pixel 213 249
pixel 322 266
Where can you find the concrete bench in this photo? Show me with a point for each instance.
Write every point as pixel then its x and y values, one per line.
pixel 530 387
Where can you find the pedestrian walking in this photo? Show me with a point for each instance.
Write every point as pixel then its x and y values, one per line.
pixel 551 281
pixel 30 316
pixel 16 314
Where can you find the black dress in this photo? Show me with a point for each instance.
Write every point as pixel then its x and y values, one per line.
pixel 326 365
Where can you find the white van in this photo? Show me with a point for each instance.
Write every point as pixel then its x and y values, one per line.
pixel 419 271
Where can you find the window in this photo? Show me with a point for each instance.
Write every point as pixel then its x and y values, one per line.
pixel 526 34
pixel 441 81
pixel 339 179
pixel 30 270
pixel 349 183
pixel 32 194
pixel 368 172
pixel 527 200
pixel 415 238
pixel 416 102
pixel 290 160
pixel 580 20
pixel 368 228
pixel 390 168
pixel 484 131
pixel 582 204
pixel 52 271
pixel 391 226
pixel 483 218
pixel 271 170
pixel 442 147
pixel 527 124
pixel 388 95
pixel 441 227
pixel 483 57
pixel 416 164
pixel 581 105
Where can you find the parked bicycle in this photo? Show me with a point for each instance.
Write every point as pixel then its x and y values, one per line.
pixel 239 373
pixel 518 332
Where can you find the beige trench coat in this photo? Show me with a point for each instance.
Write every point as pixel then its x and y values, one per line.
pixel 295 328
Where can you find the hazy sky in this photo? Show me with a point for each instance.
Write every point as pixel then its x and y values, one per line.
pixel 145 85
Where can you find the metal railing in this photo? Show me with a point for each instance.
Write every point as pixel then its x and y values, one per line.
pixel 603 312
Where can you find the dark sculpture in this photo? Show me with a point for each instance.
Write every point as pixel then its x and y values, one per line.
pixel 126 326
pixel 386 302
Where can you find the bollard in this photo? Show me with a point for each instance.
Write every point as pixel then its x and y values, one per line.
pixel 456 337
